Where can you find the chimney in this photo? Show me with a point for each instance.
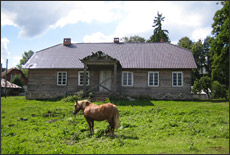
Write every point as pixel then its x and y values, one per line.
pixel 162 40
pixel 67 41
pixel 116 40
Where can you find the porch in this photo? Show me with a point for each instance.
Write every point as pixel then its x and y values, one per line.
pixel 101 74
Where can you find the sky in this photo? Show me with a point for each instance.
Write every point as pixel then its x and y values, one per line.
pixel 36 25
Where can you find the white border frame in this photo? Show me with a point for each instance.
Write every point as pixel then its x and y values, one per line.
pixel 79 72
pixel 154 78
pixel 62 78
pixel 132 79
pixel 182 79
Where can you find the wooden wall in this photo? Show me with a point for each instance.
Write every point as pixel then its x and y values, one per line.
pixel 43 83
pixel 140 86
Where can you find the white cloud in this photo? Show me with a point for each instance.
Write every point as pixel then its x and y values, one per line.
pixel 36 18
pixel 7 18
pixel 98 37
pixel 88 11
pixel 192 19
pixel 4 50
pixel 201 33
pixel 132 18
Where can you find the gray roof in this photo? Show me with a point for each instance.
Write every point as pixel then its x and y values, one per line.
pixel 8 84
pixel 130 55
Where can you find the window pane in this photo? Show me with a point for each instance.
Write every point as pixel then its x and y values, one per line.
pixel 129 79
pixel 156 79
pixel 125 79
pixel 179 79
pixel 151 79
pixel 174 79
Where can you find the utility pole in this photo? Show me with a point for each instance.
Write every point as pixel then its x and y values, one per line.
pixel 6 76
pixel 1 81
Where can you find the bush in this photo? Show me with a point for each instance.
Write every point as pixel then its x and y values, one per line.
pixel 204 83
pixel 73 98
pixel 17 79
pixel 218 90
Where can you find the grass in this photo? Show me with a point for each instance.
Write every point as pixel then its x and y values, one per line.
pixel 146 127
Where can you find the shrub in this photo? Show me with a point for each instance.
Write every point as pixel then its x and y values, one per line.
pixel 17 79
pixel 218 90
pixel 73 98
pixel 203 83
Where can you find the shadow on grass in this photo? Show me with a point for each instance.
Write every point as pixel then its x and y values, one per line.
pixel 143 102
pixel 116 136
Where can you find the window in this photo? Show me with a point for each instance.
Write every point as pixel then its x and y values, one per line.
pixel 62 78
pixel 177 79
pixel 80 78
pixel 153 79
pixel 127 78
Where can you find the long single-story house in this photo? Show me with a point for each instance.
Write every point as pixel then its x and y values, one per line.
pixel 159 70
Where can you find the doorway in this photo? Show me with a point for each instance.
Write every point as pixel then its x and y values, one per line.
pixel 105 74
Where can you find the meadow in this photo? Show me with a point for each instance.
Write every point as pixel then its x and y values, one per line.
pixel 146 127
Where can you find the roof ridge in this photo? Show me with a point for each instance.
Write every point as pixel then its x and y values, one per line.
pixel 48 48
pixel 181 47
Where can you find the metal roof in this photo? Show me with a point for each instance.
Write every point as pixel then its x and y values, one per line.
pixel 8 84
pixel 130 55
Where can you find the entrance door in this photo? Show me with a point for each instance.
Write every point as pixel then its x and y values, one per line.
pixel 105 74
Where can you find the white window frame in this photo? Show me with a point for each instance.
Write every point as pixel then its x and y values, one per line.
pixel 158 81
pixel 122 81
pixel 79 78
pixel 182 79
pixel 62 72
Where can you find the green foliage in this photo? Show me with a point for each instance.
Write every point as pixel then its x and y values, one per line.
pixel 158 32
pixel 201 53
pixel 205 83
pixel 185 42
pixel 134 39
pixel 17 79
pixel 218 90
pixel 73 98
pixel 165 127
pixel 25 58
pixel 220 45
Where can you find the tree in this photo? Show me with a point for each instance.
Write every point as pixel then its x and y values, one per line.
pixel 25 57
pixel 158 33
pixel 220 45
pixel 207 54
pixel 134 39
pixel 198 54
pixel 218 90
pixel 185 42
pixel 205 83
pixel 17 79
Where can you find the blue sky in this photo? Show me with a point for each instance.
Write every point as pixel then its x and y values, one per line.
pixel 35 25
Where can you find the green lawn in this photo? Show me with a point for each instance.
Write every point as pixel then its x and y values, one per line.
pixel 156 127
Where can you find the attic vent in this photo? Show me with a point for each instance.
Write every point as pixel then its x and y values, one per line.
pixel 67 41
pixel 116 40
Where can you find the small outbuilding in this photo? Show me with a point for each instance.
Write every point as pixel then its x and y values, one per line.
pixel 9 88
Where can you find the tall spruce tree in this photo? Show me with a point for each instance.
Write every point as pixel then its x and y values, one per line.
pixel 159 34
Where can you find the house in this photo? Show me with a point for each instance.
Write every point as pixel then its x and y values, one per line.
pixel 159 70
pixel 12 72
pixel 9 88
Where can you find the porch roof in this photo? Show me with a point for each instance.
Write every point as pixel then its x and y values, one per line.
pixel 130 55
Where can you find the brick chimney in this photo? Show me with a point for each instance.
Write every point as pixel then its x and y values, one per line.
pixel 67 41
pixel 116 40
pixel 162 40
